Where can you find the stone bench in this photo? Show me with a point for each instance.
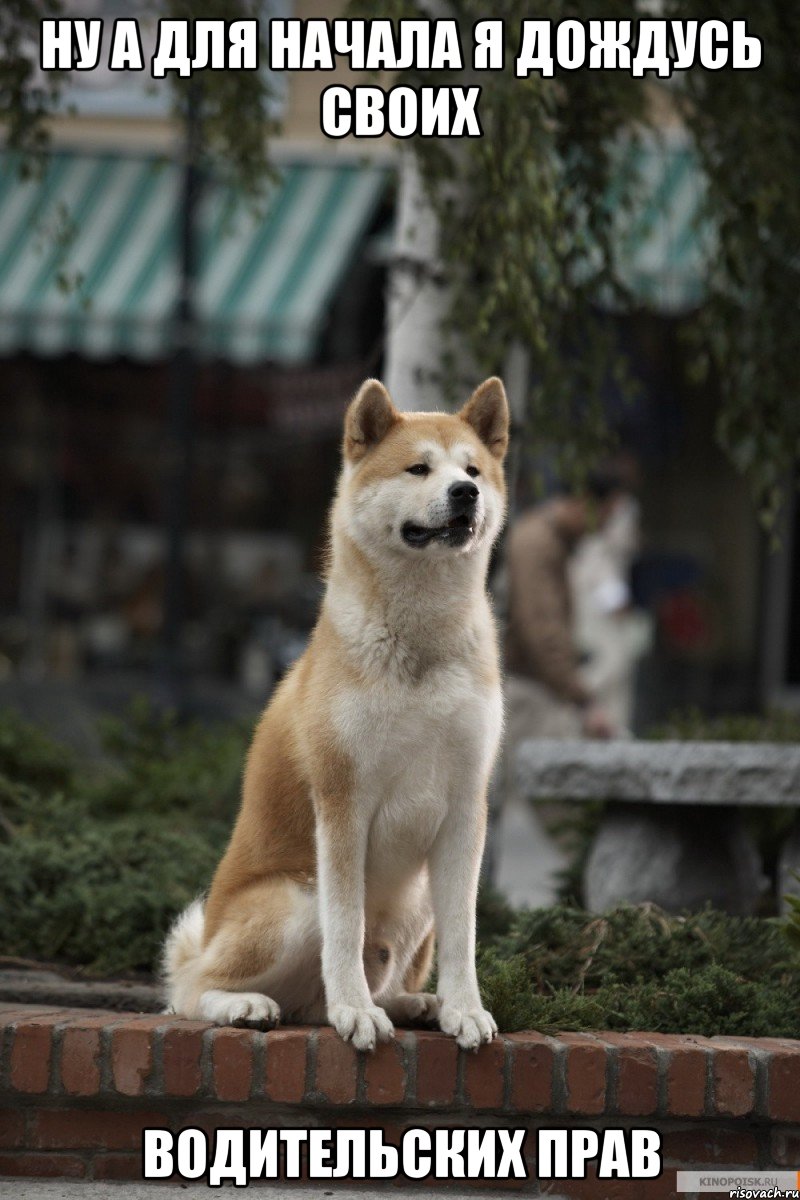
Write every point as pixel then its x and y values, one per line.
pixel 672 832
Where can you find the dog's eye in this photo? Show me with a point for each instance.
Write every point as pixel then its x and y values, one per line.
pixel 419 469
pixel 472 471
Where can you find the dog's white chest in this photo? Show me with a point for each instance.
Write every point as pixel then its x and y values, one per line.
pixel 415 750
pixel 392 731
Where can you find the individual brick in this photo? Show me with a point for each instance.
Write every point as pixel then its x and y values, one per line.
pixel 80 1061
pixel 337 1069
pixel 12 1128
pixel 132 1057
pixel 232 1063
pixel 182 1055
pixel 385 1073
pixel 592 1188
pixel 532 1067
pixel 734 1083
pixel 784 1084
pixel 585 1074
pixel 285 1076
pixel 785 1146
pixel 484 1075
pixel 637 1073
pixel 437 1067
pixel 687 1074
pixel 32 1053
pixel 117 1166
pixel 710 1145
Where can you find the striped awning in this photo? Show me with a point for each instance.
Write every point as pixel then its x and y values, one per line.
pixel 89 257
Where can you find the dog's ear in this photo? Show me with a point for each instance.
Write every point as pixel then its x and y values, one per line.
pixel 487 412
pixel 369 418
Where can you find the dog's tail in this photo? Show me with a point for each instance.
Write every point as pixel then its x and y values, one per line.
pixel 182 950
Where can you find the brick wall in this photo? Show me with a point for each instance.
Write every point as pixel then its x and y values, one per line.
pixel 77 1088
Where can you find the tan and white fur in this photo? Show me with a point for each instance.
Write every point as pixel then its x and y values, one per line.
pixel 363 814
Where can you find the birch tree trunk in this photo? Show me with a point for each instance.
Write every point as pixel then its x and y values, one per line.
pixel 418 298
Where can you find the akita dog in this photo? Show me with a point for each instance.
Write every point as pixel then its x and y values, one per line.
pixel 363 814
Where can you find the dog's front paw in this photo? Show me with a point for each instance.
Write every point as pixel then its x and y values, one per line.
pixel 469 1026
pixel 413 1006
pixel 361 1026
pixel 249 1009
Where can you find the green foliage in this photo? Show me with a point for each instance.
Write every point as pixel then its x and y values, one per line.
pixel 520 206
pixel 23 106
pixel 30 755
pixel 95 862
pixel 567 947
pixel 163 766
pixel 100 894
pixel 692 725
pixel 235 106
pixel 637 968
pixel 495 915
pixel 745 128
pixel 519 210
pixel 792 923
pixel 506 991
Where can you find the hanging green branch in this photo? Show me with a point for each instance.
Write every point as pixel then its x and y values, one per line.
pixel 746 129
pixel 25 101
pixel 237 106
pixel 523 211
pixel 521 207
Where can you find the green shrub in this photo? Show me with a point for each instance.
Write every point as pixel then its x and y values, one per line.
pixel 100 894
pixel 637 968
pixel 160 765
pixel 30 756
pixel 710 1002
pixel 567 947
pixel 792 923
pixel 95 863
pixel 691 725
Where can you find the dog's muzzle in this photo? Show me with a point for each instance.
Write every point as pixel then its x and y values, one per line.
pixel 462 499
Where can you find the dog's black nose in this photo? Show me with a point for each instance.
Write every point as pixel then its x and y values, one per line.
pixel 462 494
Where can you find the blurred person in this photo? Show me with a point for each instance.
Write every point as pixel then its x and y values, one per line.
pixel 547 695
pixel 611 634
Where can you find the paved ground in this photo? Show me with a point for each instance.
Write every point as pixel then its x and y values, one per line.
pixel 57 1189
